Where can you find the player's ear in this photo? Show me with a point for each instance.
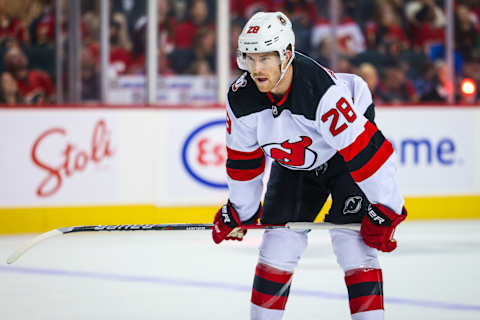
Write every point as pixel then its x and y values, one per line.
pixel 288 55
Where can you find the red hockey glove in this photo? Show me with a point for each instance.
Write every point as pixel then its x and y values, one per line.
pixel 227 224
pixel 378 226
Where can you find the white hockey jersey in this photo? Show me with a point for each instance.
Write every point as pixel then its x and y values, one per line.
pixel 321 113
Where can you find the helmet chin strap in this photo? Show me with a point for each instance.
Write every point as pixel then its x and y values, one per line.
pixel 283 72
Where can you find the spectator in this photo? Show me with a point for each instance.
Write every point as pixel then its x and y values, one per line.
pixel 138 62
pixel 369 73
pixel 203 48
pixel 166 26
pixel 439 85
pixel 350 40
pixel 475 8
pixel 344 65
pixel 466 33
pixel 385 29
pixel 200 67
pixel 164 68
pixel 43 26
pixel 180 10
pixel 395 88
pixel 132 10
pixel 9 93
pixel 11 27
pixel 246 8
pixel 42 47
pixel 321 53
pixel 34 86
pixel 426 24
pixel 89 76
pixel 303 15
pixel 236 27
pixel 185 31
pixel 399 8
pixel 120 44
pixel 361 10
pixel 90 28
pixel 423 80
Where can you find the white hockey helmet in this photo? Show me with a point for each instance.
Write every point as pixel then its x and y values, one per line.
pixel 266 32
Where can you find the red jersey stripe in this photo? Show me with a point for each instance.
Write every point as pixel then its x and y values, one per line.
pixel 360 142
pixel 268 301
pixel 366 303
pixel 242 155
pixel 269 95
pixel 272 274
pixel 285 96
pixel 383 153
pixel 355 276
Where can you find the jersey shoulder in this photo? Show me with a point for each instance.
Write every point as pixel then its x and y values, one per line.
pixel 361 95
pixel 244 97
pixel 311 82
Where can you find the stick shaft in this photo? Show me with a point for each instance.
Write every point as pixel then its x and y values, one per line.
pixel 203 226
pixel 164 227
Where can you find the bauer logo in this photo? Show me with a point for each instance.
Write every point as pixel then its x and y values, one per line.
pixel 204 154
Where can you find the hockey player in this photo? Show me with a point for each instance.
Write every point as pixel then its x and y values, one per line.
pixel 313 124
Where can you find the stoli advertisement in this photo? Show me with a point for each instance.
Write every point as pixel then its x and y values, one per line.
pixel 58 158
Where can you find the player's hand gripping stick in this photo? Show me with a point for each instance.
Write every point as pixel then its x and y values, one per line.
pixel 378 227
pixel 228 226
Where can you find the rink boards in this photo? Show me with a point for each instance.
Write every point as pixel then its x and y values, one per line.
pixel 108 165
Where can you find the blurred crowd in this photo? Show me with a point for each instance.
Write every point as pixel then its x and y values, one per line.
pixel 397 46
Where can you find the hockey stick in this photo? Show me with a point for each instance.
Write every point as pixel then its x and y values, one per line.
pixel 163 227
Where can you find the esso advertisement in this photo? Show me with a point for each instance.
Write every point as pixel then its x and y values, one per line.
pixel 57 159
pixel 204 154
pixel 196 170
pixel 195 167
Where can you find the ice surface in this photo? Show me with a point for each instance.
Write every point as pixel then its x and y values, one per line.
pixel 183 275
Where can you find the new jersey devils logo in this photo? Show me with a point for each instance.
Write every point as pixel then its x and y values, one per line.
pixel 352 205
pixel 241 82
pixel 292 154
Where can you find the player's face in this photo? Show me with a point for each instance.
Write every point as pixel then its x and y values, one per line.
pixel 264 69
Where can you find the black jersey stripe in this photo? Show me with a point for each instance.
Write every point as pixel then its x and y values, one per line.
pixel 270 287
pixel 370 113
pixel 245 164
pixel 363 289
pixel 361 159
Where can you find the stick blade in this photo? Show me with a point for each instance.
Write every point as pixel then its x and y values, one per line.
pixel 21 251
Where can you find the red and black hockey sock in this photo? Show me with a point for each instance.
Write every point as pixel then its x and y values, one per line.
pixel 365 289
pixel 271 287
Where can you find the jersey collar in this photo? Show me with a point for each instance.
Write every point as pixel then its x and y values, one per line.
pixel 277 105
